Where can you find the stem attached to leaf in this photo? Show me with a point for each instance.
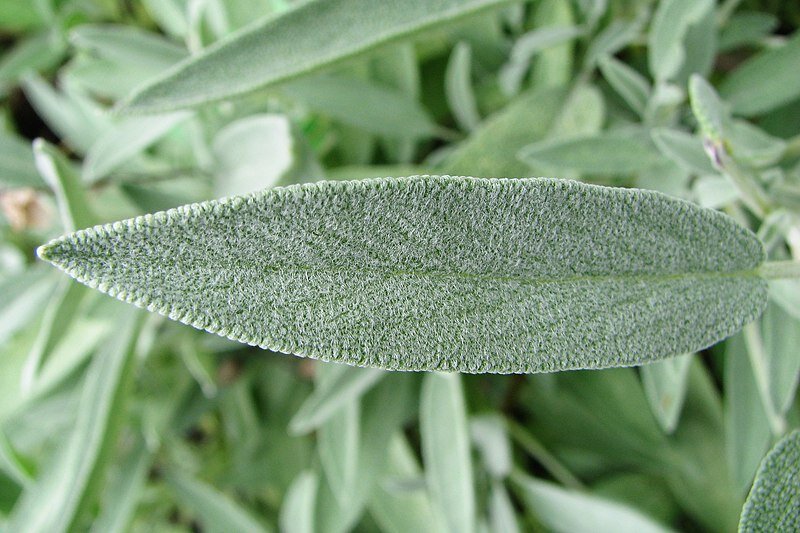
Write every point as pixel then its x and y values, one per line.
pixel 780 270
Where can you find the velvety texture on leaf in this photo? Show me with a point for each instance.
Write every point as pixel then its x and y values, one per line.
pixel 774 500
pixel 437 272
pixel 300 41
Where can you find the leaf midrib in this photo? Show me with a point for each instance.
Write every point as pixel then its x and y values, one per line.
pixel 522 279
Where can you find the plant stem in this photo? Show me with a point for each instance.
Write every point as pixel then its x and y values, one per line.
pixel 537 450
pixel 780 270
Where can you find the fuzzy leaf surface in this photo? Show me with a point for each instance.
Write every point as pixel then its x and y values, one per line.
pixel 774 500
pixel 437 272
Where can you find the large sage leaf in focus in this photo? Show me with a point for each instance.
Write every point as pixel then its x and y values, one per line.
pixel 437 273
pixel 300 41
pixel 774 501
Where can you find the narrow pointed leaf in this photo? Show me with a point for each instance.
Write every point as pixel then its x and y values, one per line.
pixel 216 510
pixel 437 272
pixel 300 41
pixel 766 81
pixel 774 500
pixel 446 450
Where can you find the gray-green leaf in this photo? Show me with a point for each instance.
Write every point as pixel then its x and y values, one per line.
pixel 300 41
pixel 774 500
pixel 437 272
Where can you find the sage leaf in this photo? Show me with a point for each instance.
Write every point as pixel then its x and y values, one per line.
pixel 671 23
pixel 766 81
pixel 774 501
pixel 437 272
pixel 299 41
pixel 446 451
pixel 16 163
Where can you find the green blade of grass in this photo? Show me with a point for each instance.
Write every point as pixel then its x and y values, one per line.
pixel 437 273
pixel 299 41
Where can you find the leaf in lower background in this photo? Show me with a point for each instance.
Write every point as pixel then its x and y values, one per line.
pixel 300 41
pixel 746 423
pixel 570 511
pixel 297 511
pixel 381 272
pixel 217 512
pixel 446 450
pixel 781 337
pixel 665 386
pixel 774 501
pixel 347 383
pixel 766 81
pixel 70 481
pixel 397 508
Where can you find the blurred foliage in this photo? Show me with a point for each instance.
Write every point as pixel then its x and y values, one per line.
pixel 113 419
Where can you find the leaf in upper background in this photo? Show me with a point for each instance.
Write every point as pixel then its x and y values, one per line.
pixel 300 41
pixel 746 423
pixel 491 150
pixel 629 84
pixel 684 149
pixel 774 501
pixel 252 153
pixel 379 273
pixel 17 168
pixel 603 153
pixel 665 385
pixel 77 121
pixel 752 146
pixel 69 483
pixel 36 53
pixel 746 28
pixel 671 22
pixel 569 511
pixel 217 512
pixel 57 171
pixel 133 47
pixel 615 36
pixel 553 66
pixel 373 108
pixel 127 139
pixel 446 450
pixel 458 87
pixel 512 75
pixel 766 81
